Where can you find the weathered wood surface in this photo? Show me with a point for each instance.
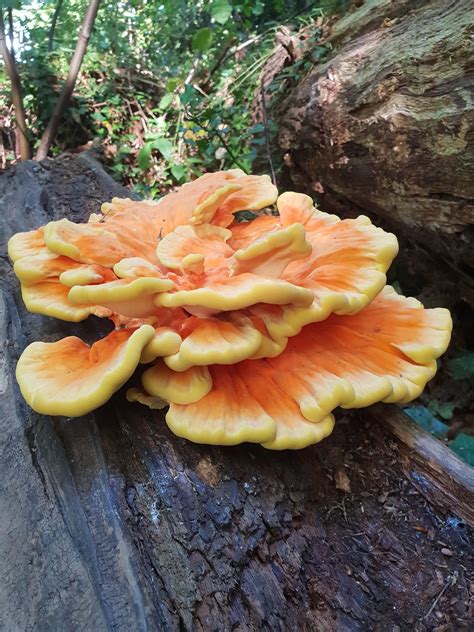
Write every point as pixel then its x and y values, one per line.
pixel 441 476
pixel 109 522
pixel 385 124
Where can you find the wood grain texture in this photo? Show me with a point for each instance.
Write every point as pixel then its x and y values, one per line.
pixel 384 125
pixel 441 476
pixel 109 522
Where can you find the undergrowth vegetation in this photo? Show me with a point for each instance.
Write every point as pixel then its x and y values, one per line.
pixel 167 87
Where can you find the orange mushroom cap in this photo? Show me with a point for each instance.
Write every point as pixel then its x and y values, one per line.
pixel 386 352
pixel 257 330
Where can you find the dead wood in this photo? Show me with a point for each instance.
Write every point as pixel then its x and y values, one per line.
pixel 109 522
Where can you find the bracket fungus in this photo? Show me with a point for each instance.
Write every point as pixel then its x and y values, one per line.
pixel 254 331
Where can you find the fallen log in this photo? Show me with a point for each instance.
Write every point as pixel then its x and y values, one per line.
pixel 110 522
pixel 384 124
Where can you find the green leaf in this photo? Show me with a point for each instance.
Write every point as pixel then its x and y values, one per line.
pixel 12 4
pixel 178 171
pixel 442 409
pixel 187 95
pixel 220 11
pixel 463 446
pixel 462 367
pixel 172 84
pixel 164 146
pixel 166 100
pixel 144 156
pixel 202 40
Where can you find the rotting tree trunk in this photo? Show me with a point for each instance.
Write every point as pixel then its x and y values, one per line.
pixel 384 124
pixel 110 522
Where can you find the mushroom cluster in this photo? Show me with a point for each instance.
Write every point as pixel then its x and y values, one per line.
pixel 254 330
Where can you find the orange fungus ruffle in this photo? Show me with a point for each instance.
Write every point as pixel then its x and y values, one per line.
pixel 252 331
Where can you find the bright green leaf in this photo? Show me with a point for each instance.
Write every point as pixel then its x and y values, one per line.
pixel 172 84
pixel 220 11
pixel 178 171
pixel 164 146
pixel 166 100
pixel 187 95
pixel 202 40
pixel 144 156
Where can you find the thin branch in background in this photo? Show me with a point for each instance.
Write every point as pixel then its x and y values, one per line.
pixel 11 32
pixel 17 94
pixel 222 57
pixel 231 50
pixel 229 151
pixel 192 72
pixel 54 21
pixel 267 132
pixel 68 87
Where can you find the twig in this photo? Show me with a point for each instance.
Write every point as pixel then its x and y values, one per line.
pixel 192 72
pixel 248 72
pixel 451 581
pixel 143 116
pixel 257 38
pixel 178 125
pixel 230 51
pixel 267 132
pixel 54 21
pixel 200 90
pixel 222 140
pixel 229 151
pixel 222 57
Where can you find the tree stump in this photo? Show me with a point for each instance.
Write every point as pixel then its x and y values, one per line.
pixel 384 124
pixel 110 522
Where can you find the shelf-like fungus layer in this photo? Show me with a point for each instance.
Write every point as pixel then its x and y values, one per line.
pixel 255 331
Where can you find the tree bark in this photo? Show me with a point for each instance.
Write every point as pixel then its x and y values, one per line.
pixel 384 124
pixel 110 522
pixel 17 96
pixel 11 31
pixel 68 87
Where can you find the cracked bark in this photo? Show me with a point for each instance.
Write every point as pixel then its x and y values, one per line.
pixel 109 522
pixel 384 125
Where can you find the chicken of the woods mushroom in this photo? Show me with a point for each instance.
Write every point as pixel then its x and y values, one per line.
pixel 252 330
